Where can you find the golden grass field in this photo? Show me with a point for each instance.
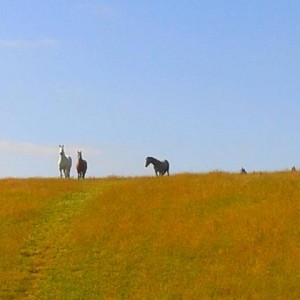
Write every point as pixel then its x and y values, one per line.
pixel 187 236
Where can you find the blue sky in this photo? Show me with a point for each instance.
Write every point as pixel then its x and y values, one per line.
pixel 205 84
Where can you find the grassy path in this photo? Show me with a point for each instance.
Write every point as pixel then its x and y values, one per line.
pixel 46 245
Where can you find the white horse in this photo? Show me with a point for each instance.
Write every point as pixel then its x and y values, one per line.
pixel 64 162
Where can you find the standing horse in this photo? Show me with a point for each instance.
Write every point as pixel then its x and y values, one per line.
pixel 64 162
pixel 81 166
pixel 160 167
pixel 243 171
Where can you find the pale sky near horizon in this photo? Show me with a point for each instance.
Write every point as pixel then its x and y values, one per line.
pixel 205 84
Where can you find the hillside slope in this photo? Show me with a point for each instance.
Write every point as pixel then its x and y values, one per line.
pixel 192 236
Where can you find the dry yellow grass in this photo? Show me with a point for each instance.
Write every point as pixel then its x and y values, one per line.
pixel 189 236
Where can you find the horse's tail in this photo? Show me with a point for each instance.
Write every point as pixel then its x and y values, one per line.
pixel 167 166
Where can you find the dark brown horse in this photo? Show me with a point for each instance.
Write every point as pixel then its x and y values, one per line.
pixel 81 166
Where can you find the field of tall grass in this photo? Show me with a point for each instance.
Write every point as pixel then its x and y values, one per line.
pixel 187 236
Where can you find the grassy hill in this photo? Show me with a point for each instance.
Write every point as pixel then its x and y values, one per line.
pixel 188 236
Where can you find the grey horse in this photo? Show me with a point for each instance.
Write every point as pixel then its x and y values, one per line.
pixel 160 167
pixel 243 171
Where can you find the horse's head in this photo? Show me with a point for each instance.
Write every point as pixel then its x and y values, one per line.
pixel 148 161
pixel 79 155
pixel 61 150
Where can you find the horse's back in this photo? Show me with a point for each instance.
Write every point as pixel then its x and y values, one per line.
pixel 70 161
pixel 84 164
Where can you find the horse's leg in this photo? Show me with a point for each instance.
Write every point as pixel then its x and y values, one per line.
pixel 166 171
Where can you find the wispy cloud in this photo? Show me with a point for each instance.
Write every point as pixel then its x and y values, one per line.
pixel 96 9
pixel 29 160
pixel 103 10
pixel 87 150
pixel 19 43
pixel 43 150
pixel 25 148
